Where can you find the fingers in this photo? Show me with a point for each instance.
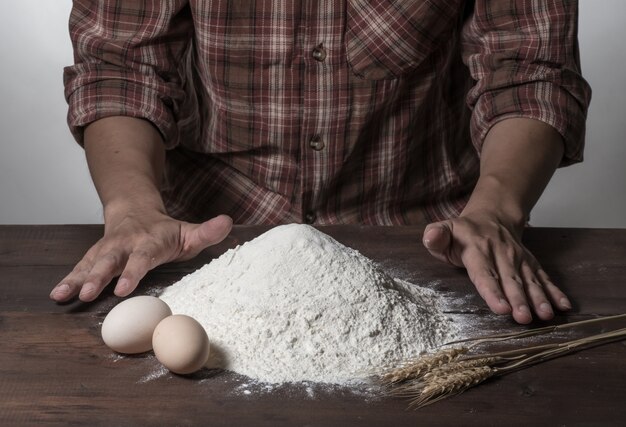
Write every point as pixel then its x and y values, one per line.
pixel 517 282
pixel 197 237
pixel 67 289
pixel 71 284
pixel 558 298
pixel 530 287
pixel 104 270
pixel 139 263
pixel 89 277
pixel 438 240
pixel 487 282
pixel 215 230
pixel 534 289
pixel 513 288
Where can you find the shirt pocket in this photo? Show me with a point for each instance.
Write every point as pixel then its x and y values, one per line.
pixel 386 39
pixel 243 33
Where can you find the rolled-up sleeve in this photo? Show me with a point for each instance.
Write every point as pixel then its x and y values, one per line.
pixel 128 61
pixel 523 55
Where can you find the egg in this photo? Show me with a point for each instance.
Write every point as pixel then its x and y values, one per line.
pixel 181 344
pixel 129 326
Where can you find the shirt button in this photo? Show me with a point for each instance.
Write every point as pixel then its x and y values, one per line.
pixel 319 53
pixel 317 143
pixel 309 217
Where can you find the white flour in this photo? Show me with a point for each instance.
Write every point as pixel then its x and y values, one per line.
pixel 296 305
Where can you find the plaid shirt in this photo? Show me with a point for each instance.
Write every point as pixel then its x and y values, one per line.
pixel 353 111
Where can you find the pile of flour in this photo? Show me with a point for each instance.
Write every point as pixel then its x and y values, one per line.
pixel 296 305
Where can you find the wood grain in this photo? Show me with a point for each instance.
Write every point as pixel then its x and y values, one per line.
pixel 54 369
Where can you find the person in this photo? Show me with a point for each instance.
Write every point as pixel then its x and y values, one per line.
pixel 452 114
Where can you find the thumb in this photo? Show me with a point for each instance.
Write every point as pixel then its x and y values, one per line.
pixel 208 233
pixel 437 239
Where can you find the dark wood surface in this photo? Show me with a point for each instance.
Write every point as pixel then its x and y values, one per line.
pixel 55 370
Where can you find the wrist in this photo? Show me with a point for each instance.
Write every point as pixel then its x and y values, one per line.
pixel 518 157
pixel 117 209
pixel 492 199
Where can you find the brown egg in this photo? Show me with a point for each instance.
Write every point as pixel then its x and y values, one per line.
pixel 181 344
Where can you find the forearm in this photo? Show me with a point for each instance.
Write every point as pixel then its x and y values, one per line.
pixel 518 158
pixel 125 157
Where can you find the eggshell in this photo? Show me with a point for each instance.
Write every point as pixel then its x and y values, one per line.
pixel 181 344
pixel 129 325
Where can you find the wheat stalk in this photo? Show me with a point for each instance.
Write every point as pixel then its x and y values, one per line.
pixel 566 348
pixel 532 332
pixel 448 372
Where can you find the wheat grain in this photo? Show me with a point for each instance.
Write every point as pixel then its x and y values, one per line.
pixel 413 387
pixel 461 365
pixel 415 368
pixel 440 387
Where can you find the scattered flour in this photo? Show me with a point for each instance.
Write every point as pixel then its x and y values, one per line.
pixel 296 305
pixel 159 372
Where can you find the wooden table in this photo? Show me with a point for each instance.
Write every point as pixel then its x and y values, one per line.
pixel 55 370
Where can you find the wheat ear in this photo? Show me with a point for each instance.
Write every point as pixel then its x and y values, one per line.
pixel 414 386
pixel 414 368
pixel 442 386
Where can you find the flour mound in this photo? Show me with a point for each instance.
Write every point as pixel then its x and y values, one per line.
pixel 296 305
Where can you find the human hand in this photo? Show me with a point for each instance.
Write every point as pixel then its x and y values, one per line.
pixel 506 275
pixel 133 244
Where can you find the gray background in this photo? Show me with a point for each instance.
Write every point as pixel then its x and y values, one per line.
pixel 44 178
